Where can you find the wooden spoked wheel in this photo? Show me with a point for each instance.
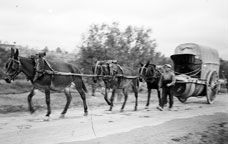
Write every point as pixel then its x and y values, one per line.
pixel 212 87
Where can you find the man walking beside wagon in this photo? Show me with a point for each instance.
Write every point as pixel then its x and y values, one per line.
pixel 167 82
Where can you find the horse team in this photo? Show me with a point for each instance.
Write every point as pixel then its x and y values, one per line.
pixel 107 71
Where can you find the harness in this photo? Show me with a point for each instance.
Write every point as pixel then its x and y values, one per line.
pixel 110 72
pixel 44 70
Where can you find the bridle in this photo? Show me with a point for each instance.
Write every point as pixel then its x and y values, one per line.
pixel 146 69
pixel 17 71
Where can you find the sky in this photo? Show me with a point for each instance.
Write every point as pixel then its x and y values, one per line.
pixel 61 23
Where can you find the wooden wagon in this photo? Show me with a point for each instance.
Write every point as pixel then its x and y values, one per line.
pixel 197 72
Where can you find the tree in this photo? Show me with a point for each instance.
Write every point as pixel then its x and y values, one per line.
pixel 4 55
pixel 58 50
pixel 45 49
pixel 223 71
pixel 129 46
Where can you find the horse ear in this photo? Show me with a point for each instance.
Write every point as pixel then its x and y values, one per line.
pixel 141 64
pixel 153 65
pixel 148 62
pixel 12 52
pixel 16 54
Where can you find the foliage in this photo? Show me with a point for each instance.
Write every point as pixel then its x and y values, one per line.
pixel 223 72
pixel 4 53
pixel 45 49
pixel 129 46
pixel 58 50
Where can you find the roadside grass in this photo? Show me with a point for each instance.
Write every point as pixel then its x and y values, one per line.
pixel 18 102
pixel 15 87
pixel 13 98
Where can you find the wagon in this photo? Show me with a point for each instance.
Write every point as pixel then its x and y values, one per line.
pixel 197 72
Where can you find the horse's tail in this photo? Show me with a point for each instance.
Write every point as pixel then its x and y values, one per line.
pixel 79 83
pixel 78 79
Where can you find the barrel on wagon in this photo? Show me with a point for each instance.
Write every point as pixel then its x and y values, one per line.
pixel 197 69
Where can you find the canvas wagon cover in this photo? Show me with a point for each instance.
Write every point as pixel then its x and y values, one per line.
pixel 206 54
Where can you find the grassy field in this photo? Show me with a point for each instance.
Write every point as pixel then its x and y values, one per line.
pixel 15 87
pixel 13 98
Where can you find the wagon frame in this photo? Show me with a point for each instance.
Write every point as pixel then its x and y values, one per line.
pixel 197 72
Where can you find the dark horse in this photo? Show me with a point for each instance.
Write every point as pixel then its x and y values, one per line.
pixel 47 82
pixel 152 77
pixel 110 72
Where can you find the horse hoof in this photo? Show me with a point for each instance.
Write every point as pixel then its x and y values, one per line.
pixel 86 113
pixel 146 107
pixel 122 110
pixel 62 116
pixel 46 118
pixel 135 109
pixel 32 111
pixel 159 108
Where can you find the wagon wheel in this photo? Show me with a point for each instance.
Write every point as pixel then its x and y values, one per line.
pixel 212 87
pixel 182 99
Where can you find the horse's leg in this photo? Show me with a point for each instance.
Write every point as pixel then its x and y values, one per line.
pixel 83 96
pixel 125 99
pixel 106 97
pixel 93 89
pixel 135 89
pixel 112 99
pixel 68 98
pixel 159 96
pixel 148 98
pixel 48 101
pixel 31 94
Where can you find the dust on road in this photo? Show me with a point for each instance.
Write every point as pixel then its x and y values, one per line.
pixel 177 126
pixel 211 129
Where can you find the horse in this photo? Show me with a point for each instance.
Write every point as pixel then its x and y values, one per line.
pixel 47 82
pixel 109 72
pixel 152 76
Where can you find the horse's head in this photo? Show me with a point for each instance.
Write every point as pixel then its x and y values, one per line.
pixel 146 71
pixel 13 66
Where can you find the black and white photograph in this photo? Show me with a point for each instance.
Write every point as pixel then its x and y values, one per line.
pixel 113 72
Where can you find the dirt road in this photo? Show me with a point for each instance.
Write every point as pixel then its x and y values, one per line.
pixel 184 122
